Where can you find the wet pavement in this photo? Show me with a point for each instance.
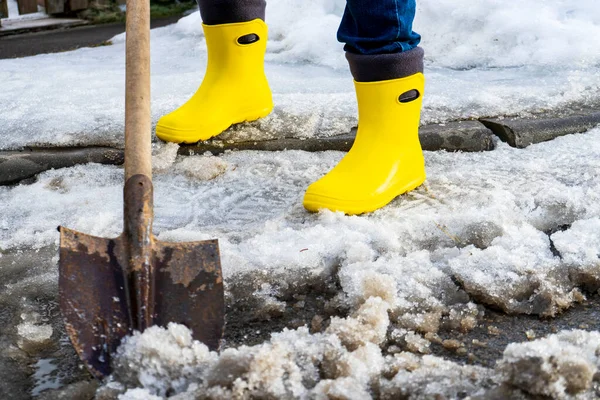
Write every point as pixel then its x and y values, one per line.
pixel 66 39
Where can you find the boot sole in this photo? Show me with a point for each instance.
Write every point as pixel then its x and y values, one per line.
pixel 193 136
pixel 315 202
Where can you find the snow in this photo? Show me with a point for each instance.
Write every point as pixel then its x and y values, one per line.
pixel 485 220
pixel 557 366
pixel 493 33
pixel 281 368
pixel 479 62
pixel 577 244
pixel 479 231
pixel 516 229
pixel 562 366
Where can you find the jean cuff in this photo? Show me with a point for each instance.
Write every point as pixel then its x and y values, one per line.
pixel 383 67
pixel 217 12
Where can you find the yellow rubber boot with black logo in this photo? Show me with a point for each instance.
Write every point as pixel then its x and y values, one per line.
pixel 234 89
pixel 386 159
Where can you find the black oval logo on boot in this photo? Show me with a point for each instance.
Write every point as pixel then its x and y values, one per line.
pixel 409 96
pixel 248 39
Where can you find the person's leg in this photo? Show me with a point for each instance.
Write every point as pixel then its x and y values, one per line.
pixel 379 41
pixel 217 12
pixel 234 88
pixel 386 159
pixel 378 26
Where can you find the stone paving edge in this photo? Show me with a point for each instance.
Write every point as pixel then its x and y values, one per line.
pixel 466 136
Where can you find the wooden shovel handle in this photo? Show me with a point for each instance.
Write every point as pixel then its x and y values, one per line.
pixel 138 148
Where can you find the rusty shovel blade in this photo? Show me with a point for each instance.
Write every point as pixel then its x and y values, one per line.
pixel 107 292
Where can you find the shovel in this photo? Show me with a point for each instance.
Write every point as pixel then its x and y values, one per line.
pixel 111 287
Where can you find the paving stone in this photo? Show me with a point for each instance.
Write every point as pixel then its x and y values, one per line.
pixel 340 143
pixel 520 133
pixel 18 165
pixel 452 136
pixel 468 136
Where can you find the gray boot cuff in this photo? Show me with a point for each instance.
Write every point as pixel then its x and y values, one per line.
pixel 383 67
pixel 216 12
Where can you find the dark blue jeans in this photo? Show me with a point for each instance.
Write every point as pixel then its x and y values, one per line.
pixel 378 26
pixel 368 26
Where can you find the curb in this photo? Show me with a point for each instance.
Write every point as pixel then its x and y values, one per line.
pixel 466 136
pixel 16 166
pixel 469 136
pixel 521 133
pixel 46 24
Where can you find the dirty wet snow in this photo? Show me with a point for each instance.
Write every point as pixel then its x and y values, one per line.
pixel 514 229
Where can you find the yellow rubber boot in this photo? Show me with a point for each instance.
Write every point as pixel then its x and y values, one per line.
pixel 386 159
pixel 234 88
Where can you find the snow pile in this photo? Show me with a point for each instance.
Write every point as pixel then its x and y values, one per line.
pixel 525 60
pixel 297 364
pixel 459 35
pixel 290 365
pixel 520 265
pixel 164 360
pixel 578 245
pixel 494 33
pixel 426 377
pixel 299 31
pixel 293 364
pixel 558 366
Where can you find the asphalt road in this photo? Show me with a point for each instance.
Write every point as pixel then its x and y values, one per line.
pixel 54 41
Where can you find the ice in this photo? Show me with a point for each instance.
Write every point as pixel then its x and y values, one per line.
pixel 45 376
pixel 163 156
pixel 202 168
pixel 34 333
pixel 483 59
